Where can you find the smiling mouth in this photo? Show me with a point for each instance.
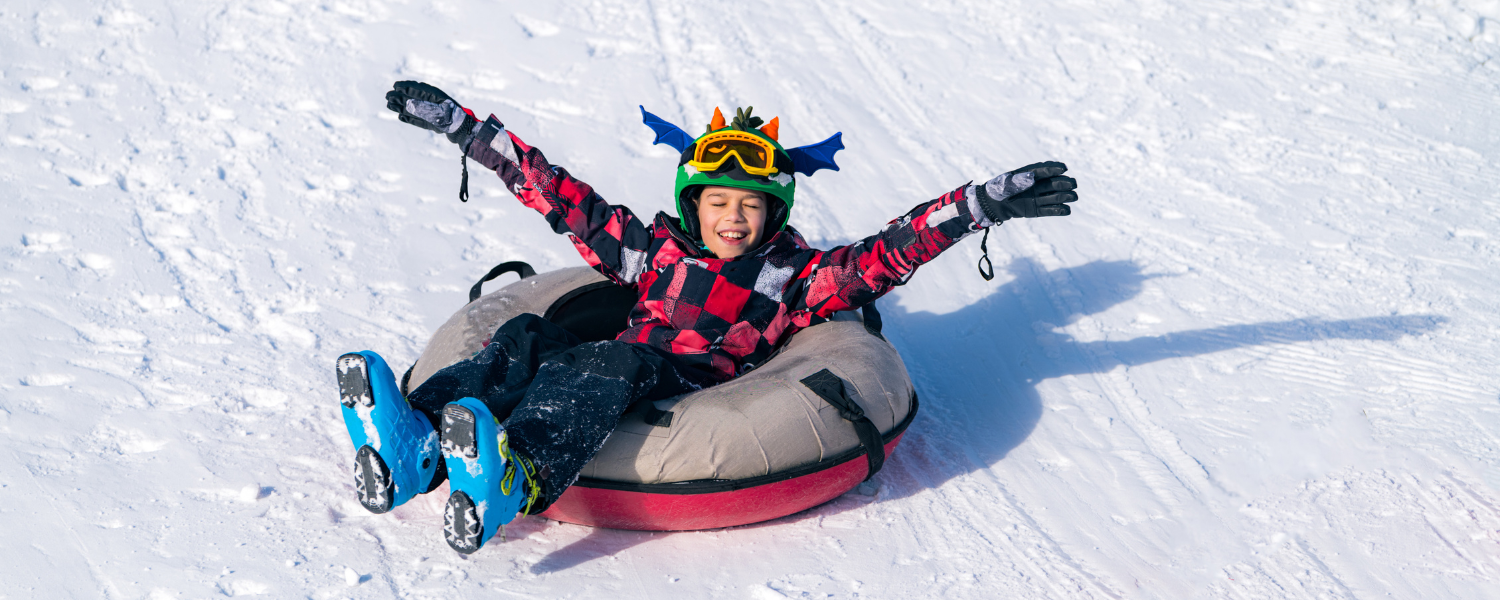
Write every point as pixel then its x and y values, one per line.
pixel 732 235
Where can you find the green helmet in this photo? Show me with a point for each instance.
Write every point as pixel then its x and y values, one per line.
pixel 736 170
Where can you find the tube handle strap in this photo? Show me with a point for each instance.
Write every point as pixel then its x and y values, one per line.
pixel 516 266
pixel 831 389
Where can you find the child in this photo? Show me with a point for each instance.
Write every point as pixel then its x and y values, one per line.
pixel 721 286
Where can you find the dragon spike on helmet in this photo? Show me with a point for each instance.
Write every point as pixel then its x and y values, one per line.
pixel 772 128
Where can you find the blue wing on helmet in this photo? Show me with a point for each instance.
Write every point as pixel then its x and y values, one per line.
pixel 808 159
pixel 667 133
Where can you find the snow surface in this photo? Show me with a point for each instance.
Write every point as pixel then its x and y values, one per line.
pixel 1258 361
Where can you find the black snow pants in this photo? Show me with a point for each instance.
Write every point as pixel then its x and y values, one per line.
pixel 557 397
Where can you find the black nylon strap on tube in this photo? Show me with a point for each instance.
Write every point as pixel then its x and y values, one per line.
pixel 831 389
pixel 515 266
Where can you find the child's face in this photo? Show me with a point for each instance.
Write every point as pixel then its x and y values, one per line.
pixel 731 220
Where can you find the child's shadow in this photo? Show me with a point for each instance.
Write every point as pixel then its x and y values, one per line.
pixel 977 369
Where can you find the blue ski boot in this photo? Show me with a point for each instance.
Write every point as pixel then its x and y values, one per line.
pixel 396 448
pixel 489 482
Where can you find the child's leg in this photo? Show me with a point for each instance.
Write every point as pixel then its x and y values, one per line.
pixel 576 401
pixel 395 439
pixel 500 373
pixel 524 464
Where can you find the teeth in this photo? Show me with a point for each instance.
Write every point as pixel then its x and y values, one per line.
pixel 733 235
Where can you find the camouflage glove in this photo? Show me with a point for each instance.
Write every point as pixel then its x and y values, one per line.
pixel 1037 190
pixel 429 108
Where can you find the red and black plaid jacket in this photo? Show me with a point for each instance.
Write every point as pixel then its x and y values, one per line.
pixel 718 318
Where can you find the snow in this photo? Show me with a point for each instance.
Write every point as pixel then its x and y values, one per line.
pixel 1258 360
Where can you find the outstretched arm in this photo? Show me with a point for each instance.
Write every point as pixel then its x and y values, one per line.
pixel 611 238
pixel 851 276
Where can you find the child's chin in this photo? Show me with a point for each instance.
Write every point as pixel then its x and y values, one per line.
pixel 726 250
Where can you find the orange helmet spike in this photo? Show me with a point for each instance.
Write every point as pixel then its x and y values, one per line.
pixel 718 122
pixel 772 129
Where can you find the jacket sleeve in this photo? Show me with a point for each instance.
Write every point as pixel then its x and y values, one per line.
pixel 851 276
pixel 611 238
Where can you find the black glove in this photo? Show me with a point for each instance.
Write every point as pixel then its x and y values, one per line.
pixel 1037 190
pixel 429 108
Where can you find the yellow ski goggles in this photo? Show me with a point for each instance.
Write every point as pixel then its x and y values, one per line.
pixel 755 155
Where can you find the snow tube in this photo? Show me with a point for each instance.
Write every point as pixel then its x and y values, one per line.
pixel 806 426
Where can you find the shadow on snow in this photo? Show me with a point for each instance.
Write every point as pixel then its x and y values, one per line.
pixel 1017 345
pixel 1015 331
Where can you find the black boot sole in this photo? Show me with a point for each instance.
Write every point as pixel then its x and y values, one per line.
pixel 458 432
pixel 462 527
pixel 354 381
pixel 372 479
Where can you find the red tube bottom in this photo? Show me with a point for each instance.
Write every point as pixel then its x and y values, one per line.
pixel 615 509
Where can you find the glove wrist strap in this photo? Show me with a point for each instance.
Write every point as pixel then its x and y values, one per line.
pixel 990 206
pixel 464 135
